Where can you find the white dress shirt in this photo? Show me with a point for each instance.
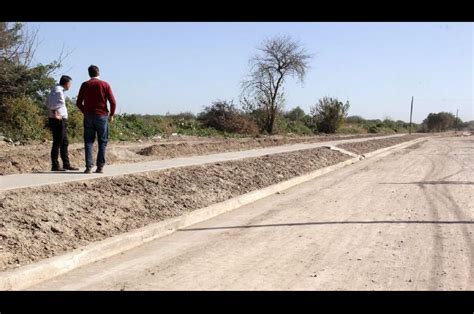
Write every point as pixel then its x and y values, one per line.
pixel 57 101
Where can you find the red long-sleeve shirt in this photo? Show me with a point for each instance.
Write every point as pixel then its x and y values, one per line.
pixel 93 96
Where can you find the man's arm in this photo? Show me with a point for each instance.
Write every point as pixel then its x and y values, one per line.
pixel 80 99
pixel 111 99
pixel 46 104
pixel 55 101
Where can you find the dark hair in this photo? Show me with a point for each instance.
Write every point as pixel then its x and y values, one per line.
pixel 93 71
pixel 64 79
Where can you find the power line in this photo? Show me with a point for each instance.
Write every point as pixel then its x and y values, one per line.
pixel 444 99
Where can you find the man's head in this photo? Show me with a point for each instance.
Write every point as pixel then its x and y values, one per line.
pixel 93 71
pixel 65 81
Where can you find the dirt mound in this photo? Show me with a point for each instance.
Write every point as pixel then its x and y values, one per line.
pixel 416 145
pixel 372 145
pixel 187 149
pixel 164 151
pixel 45 221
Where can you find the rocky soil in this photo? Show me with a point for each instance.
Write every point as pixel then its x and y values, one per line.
pixel 46 221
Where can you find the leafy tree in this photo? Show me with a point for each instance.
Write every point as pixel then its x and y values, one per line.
pixel 439 122
pixel 20 81
pixel 17 76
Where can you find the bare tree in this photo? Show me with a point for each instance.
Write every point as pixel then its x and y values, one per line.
pixel 18 44
pixel 279 58
pixel 18 75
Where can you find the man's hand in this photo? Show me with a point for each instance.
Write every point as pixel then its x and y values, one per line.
pixel 111 119
pixel 57 115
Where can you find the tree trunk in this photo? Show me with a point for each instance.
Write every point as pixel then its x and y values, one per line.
pixel 271 123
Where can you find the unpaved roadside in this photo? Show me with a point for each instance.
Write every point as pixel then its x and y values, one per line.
pixel 36 157
pixel 46 221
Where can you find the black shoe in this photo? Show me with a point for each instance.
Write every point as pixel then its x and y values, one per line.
pixel 70 168
pixel 57 169
pixel 99 170
pixel 88 170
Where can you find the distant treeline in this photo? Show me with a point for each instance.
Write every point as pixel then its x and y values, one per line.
pixel 25 119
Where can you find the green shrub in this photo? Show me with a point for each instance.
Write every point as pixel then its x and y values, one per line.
pixel 469 126
pixel 329 114
pixel 298 127
pixel 133 126
pixel 372 129
pixel 24 119
pixel 75 126
pixel 224 116
pixel 182 116
pixel 380 129
pixel 385 130
pixel 259 116
pixel 355 120
pixel 351 129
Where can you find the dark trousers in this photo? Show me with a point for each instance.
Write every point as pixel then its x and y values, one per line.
pixel 60 142
pixel 95 125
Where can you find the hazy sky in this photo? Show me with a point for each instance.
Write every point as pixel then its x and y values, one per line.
pixel 174 67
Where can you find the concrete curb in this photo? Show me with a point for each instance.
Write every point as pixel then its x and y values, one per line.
pixel 32 274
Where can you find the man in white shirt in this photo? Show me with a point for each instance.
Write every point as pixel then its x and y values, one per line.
pixel 58 124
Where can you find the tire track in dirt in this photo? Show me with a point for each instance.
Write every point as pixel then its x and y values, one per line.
pixel 455 209
pixel 439 198
pixel 437 261
pixel 427 172
pixel 314 252
pixel 459 215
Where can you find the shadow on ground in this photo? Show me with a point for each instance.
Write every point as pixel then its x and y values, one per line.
pixel 439 222
pixel 433 182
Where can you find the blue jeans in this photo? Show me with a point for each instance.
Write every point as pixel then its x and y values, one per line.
pixel 94 124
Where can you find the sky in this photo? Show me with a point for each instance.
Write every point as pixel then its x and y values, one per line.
pixel 158 67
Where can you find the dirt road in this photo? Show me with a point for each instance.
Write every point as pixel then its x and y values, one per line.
pixel 401 222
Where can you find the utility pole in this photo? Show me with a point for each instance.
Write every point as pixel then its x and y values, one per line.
pixel 456 125
pixel 411 113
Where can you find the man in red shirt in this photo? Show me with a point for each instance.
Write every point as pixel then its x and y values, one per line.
pixel 92 101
